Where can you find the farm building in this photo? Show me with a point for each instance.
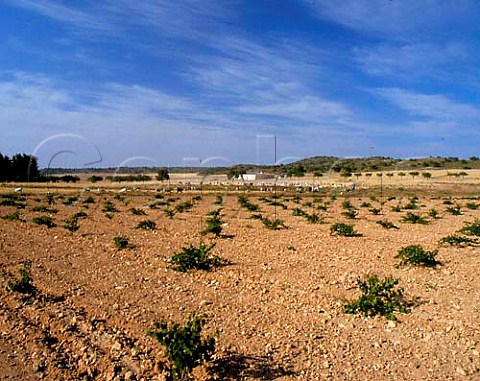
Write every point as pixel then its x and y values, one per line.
pixel 255 176
pixel 249 177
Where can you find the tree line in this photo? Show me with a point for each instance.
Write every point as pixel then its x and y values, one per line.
pixel 23 168
pixel 19 168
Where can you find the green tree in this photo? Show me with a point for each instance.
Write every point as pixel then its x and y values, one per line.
pixel 296 171
pixel 427 175
pixel 5 168
pixel 414 174
pixel 95 178
pixel 235 172
pixel 163 174
pixel 24 168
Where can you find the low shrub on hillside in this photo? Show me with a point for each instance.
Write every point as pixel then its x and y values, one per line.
pixel 297 212
pixel 412 204
pixel 417 256
pixel 457 240
pixel 344 230
pixel 137 212
pixel 472 228
pixel 195 258
pixel 218 200
pixel 350 213
pixel 455 210
pixel 472 205
pixel 246 204
pixel 70 200
pixel 8 202
pixel 89 200
pixel 214 224
pixel 44 220
pixel 109 207
pixel 15 216
pixel 379 297
pixel 44 209
pixel 273 224
pixel 183 206
pixel 157 204
pixel 119 197
pixel 146 225
pixel 346 204
pixel 414 218
pixel 121 242
pixel 387 224
pixel 313 218
pixel 79 215
pixel 169 213
pixel 185 346
pixel 24 284
pixel 71 224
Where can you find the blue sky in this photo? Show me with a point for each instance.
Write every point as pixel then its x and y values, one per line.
pixel 161 82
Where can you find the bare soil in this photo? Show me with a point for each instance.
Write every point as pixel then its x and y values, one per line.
pixel 277 307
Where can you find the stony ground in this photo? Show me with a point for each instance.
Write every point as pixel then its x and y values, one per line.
pixel 277 307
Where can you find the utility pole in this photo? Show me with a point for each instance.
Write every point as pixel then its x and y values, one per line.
pixel 381 188
pixel 275 178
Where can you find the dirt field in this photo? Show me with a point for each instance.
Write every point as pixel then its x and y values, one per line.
pixel 277 307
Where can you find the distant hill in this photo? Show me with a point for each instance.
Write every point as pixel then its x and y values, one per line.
pixel 376 163
pixel 349 166
pixel 317 165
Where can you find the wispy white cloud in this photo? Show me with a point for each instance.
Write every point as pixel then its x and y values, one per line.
pixel 268 80
pixel 44 99
pixel 433 106
pixel 399 19
pixel 69 15
pixel 301 108
pixel 412 60
pixel 128 121
pixel 135 120
pixel 36 92
pixel 123 97
pixel 58 51
pixel 188 19
pixel 123 120
pixel 221 84
pixel 42 106
pixel 239 66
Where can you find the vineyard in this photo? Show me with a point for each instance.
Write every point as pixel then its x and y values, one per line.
pixel 152 285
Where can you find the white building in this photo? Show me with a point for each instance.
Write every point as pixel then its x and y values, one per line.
pixel 249 177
